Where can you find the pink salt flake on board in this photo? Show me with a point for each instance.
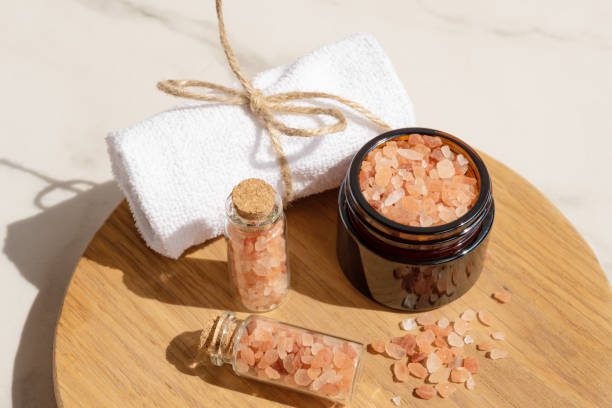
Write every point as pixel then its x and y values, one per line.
pixel 459 375
pixel 400 371
pixel 498 335
pixel 425 392
pixel 502 296
pixel 496 354
pixel 378 346
pixel 484 317
pixel 445 390
pixel 468 315
pixel 395 351
pixel 417 370
pixel 425 319
pixel 461 326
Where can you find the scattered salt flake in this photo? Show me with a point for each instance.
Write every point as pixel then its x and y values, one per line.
pixel 454 340
pixel 443 323
pixel 433 363
pixel 425 392
pixel 417 370
pixel 425 319
pixel 395 351
pixel 445 390
pixel 470 383
pixel 485 346
pixel 396 400
pixel 502 296
pixel 471 364
pixel 408 324
pixel 498 335
pixel 496 354
pixel 484 317
pixel 440 376
pixel 468 339
pixel 400 371
pixel 378 346
pixel 468 315
pixel 459 375
pixel 461 326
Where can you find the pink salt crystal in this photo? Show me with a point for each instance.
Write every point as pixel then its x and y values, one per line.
pixel 314 373
pixel 468 315
pixel 410 154
pixel 316 347
pixel 484 317
pixel 461 160
pixel 383 176
pixel 443 323
pixel 241 366
pixel 470 383
pixel 498 335
pixel 439 376
pixel 271 373
pixel 446 152
pixel 496 354
pixel 415 139
pixel 395 351
pixel 425 319
pixel 454 340
pixel 301 377
pixel 307 339
pixel 445 169
pixel 425 220
pixel 394 197
pixel 432 141
pixel 339 359
pixel 460 326
pixel 433 363
pixel 322 359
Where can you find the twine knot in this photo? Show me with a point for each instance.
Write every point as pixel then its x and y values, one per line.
pixel 257 103
pixel 264 107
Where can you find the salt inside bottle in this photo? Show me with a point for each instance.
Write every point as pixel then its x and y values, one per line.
pixel 257 245
pixel 281 354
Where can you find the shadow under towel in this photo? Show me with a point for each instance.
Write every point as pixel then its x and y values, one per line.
pixel 177 167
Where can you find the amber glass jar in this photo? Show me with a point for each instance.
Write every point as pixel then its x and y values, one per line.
pixel 284 355
pixel 406 267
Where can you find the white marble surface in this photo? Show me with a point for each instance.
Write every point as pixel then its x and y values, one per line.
pixel 528 82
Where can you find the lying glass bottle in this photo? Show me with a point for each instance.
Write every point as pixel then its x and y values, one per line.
pixel 278 353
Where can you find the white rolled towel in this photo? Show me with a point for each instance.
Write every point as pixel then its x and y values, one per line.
pixel 177 168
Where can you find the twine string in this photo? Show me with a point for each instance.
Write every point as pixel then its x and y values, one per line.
pixel 266 107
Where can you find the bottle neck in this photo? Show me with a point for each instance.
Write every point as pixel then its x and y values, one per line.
pixel 219 343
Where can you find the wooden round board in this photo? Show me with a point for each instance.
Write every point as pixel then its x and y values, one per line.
pixel 131 319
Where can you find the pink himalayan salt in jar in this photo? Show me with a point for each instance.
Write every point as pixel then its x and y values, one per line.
pixel 415 260
pixel 257 245
pixel 281 354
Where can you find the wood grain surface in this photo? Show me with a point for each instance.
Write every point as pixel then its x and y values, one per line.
pixel 131 319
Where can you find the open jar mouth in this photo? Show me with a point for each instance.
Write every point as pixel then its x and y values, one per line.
pixel 389 230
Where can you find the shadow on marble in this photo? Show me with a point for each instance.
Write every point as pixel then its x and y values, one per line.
pixel 45 249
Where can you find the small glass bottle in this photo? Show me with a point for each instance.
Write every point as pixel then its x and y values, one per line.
pixel 257 245
pixel 278 353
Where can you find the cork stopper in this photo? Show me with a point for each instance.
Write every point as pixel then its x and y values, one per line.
pixel 253 199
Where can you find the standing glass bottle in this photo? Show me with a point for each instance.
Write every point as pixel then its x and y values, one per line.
pixel 285 355
pixel 257 245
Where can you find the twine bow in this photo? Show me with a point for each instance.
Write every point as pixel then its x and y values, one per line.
pixel 266 107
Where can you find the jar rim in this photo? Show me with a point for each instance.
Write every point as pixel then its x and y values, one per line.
pixel 433 231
